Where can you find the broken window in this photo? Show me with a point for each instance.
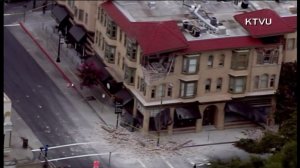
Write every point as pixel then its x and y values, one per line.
pixel 239 60
pixel 267 55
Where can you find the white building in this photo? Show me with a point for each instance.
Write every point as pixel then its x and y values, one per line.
pixel 7 125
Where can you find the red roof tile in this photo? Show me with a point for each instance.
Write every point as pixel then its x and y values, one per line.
pixel 291 21
pixel 222 43
pixel 153 37
pixel 278 26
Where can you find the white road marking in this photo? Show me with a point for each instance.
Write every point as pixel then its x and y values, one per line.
pixel 78 156
pixel 166 161
pixel 11 25
pixel 74 144
pixel 144 166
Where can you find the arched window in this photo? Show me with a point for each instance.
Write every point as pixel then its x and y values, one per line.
pixel 264 81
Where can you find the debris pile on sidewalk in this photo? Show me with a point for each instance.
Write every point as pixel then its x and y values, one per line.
pixel 135 142
pixel 255 134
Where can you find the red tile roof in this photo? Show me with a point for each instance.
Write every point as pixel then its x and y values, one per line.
pixel 277 27
pixel 153 37
pixel 222 43
pixel 156 37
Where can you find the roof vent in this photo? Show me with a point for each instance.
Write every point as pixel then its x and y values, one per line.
pixel 151 4
pixel 213 21
pixel 195 32
pixel 221 30
pixel 244 4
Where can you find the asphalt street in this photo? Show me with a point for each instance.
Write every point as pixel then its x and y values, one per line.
pixel 41 104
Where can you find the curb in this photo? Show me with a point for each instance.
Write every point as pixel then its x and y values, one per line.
pixel 57 67
pixel 217 143
pixel 49 57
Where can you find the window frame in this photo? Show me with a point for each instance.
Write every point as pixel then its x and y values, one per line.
pixel 109 53
pixel 186 63
pixel 240 59
pixel 129 75
pixel 184 89
pixel 207 85
pixel 210 61
pixel 80 15
pixel 111 29
pixel 219 84
pixel 232 81
pixel 131 49
pixel 292 45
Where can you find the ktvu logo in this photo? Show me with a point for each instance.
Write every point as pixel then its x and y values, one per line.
pixel 258 21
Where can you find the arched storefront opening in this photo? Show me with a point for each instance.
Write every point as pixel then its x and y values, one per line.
pixel 209 115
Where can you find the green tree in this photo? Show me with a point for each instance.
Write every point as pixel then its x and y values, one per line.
pixel 286 93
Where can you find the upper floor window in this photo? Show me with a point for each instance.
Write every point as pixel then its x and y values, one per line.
pixel 75 11
pixel 237 84
pixel 153 89
pixel 239 60
pixel 86 18
pixel 120 35
pixel 129 75
pixel 160 91
pixel 131 49
pixel 207 85
pixel 210 61
pixel 267 55
pixel 143 85
pixel 110 53
pixel 219 84
pixel 264 81
pixel 169 90
pixel 80 14
pixel 290 43
pixel 190 64
pixel 256 82
pixel 102 15
pixel 221 60
pixel 98 13
pixel 188 89
pixel 111 29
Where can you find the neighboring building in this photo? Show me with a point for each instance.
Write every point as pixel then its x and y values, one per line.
pixel 7 125
pixel 192 65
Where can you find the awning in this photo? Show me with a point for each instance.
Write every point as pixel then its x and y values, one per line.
pixel 163 119
pixel 60 13
pixel 246 110
pixel 124 96
pixel 77 32
pixel 188 112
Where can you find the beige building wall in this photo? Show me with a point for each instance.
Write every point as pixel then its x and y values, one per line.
pixel 290 54
pixel 7 125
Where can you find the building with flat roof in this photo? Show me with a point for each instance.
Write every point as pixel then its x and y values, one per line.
pixel 189 64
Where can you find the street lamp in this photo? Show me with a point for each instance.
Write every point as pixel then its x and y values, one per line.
pixel 59 43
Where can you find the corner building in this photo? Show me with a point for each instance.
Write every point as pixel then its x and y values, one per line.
pixel 190 66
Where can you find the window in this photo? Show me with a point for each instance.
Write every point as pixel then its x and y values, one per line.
pixel 120 35
pixel 80 16
pixel 103 42
pixel 143 86
pixel 125 37
pixel 129 75
pixel 86 18
pixel 219 84
pixel 98 13
pixel 237 84
pixel 119 57
pixel 138 82
pixel 100 39
pixel 290 44
pixel 239 60
pixel 210 61
pixel 190 64
pixel 96 37
pixel 267 56
pixel 75 11
pixel 101 16
pixel 256 82
pixel 160 91
pixel 169 90
pixel 153 91
pixel 111 29
pixel 264 81
pixel 104 20
pixel 131 49
pixel 272 81
pixel 188 89
pixel 207 85
pixel 221 60
pixel 123 63
pixel 110 53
